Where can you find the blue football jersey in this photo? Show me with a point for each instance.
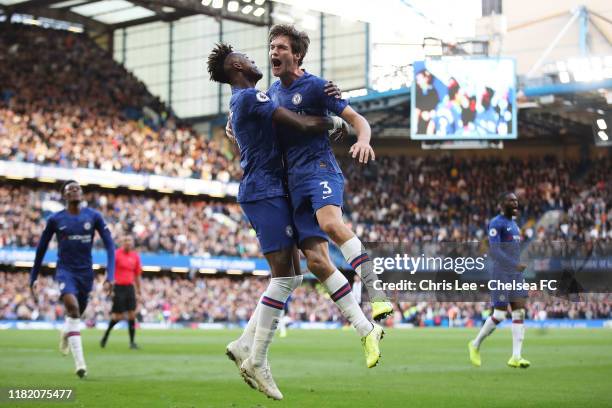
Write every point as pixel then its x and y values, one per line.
pixel 306 153
pixel 260 155
pixel 504 243
pixel 75 237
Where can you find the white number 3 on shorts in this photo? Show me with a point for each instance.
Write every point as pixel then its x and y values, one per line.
pixel 326 189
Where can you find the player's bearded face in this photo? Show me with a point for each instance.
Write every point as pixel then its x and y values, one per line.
pixel 511 206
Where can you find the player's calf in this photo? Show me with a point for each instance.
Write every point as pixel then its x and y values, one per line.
pixel 485 331
pixel 518 332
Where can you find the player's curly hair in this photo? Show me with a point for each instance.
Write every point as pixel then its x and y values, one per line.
pixel 65 184
pixel 216 61
pixel 298 39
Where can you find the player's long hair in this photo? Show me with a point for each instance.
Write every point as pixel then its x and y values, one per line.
pixel 216 61
pixel 298 39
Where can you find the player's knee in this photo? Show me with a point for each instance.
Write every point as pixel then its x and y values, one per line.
pixel 499 316
pixel 72 311
pixel 316 263
pixel 332 227
pixel 518 315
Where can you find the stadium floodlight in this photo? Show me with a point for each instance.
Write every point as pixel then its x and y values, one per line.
pixel 217 4
pixel 601 124
pixel 233 6
pixel 602 135
pixel 259 12
pixel 260 2
pixel 247 9
pixel 206 2
pixel 247 1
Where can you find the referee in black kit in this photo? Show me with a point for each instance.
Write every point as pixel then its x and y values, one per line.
pixel 127 285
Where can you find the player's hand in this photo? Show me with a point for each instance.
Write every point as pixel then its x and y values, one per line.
pixel 363 151
pixel 521 267
pixel 34 291
pixel 108 288
pixel 341 133
pixel 332 89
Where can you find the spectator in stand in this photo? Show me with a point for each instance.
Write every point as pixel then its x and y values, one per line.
pixel 223 299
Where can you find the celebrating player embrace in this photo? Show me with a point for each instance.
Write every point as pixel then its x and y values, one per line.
pixel 261 194
pixel 74 227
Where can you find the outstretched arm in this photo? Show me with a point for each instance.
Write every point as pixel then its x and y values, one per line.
pixel 109 245
pixel 41 250
pixel 362 148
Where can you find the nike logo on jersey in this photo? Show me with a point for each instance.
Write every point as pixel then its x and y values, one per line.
pixel 62 228
pixel 509 229
pixel 324 197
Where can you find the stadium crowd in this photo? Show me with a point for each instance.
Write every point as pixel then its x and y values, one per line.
pixel 445 198
pixel 395 199
pixel 64 101
pixel 195 227
pixel 224 299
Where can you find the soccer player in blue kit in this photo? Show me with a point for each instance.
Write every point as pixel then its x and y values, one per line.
pixel 505 251
pixel 316 183
pixel 263 197
pixel 74 227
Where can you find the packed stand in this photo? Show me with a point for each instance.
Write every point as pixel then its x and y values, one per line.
pixel 163 299
pixel 392 200
pixel 64 101
pixel 441 199
pixel 223 299
pixel 158 224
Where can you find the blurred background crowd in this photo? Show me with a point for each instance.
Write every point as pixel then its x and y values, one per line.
pixel 223 299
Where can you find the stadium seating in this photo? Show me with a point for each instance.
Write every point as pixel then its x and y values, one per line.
pixel 222 299
pixel 106 119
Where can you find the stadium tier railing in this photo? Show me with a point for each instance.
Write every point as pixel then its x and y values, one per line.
pixel 112 179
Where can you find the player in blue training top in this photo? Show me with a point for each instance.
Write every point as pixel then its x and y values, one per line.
pixel 263 197
pixel 74 228
pixel 316 183
pixel 505 253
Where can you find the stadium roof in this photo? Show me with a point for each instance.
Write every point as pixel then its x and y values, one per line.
pixel 108 15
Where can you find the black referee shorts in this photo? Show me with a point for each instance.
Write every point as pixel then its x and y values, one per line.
pixel 124 299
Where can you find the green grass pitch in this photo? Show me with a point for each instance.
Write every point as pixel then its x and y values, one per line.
pixel 419 368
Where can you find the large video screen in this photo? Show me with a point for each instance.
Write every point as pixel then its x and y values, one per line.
pixel 459 98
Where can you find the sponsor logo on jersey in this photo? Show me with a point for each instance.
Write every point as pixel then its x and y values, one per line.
pixel 82 238
pixel 261 97
pixel 297 98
